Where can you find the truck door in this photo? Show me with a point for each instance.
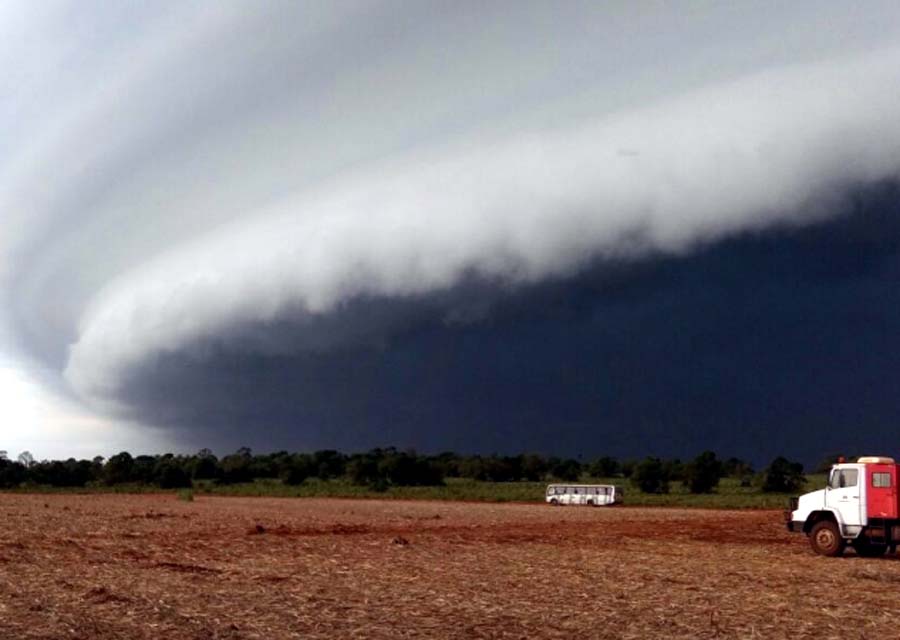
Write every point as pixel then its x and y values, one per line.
pixel 881 490
pixel 843 494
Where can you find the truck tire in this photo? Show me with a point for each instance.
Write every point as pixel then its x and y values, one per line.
pixel 865 549
pixel 826 539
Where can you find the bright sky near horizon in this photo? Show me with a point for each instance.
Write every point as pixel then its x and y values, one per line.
pixel 43 424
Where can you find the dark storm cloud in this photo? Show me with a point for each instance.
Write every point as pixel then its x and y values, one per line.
pixel 777 342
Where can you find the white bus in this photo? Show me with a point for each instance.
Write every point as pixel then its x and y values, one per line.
pixel 594 495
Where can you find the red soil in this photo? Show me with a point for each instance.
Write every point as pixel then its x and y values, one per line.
pixel 105 566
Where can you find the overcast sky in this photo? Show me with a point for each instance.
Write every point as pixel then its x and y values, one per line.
pixel 576 227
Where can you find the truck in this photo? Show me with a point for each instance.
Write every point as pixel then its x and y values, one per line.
pixel 859 506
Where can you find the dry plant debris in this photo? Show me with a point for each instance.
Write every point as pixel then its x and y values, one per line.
pixel 135 567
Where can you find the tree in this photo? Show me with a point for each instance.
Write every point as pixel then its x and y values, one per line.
pixel 329 464
pixel 649 476
pixel 410 470
pixel 12 474
pixel 119 469
pixel 144 469
pixel 71 473
pixel 497 469
pixel 449 462
pixel 363 469
pixel 534 467
pixel 297 468
pixel 236 467
pixel 170 474
pixel 737 468
pixel 26 459
pixel 783 476
pixel 97 468
pixel 674 469
pixel 205 466
pixel 566 470
pixel 605 467
pixel 703 473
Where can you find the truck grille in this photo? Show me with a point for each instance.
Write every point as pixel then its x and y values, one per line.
pixel 793 502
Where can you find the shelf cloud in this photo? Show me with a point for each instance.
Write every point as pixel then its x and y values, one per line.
pixel 196 185
pixel 772 148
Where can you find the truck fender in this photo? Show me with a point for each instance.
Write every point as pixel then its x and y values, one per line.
pixel 822 514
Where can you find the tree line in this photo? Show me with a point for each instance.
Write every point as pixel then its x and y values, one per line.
pixel 379 469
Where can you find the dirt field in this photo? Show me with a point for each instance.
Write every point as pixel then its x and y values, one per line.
pixel 105 566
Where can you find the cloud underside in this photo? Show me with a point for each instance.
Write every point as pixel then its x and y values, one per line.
pixel 783 327
pixel 777 148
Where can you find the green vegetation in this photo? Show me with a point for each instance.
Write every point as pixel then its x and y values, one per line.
pixel 783 476
pixel 704 473
pixel 705 481
pixel 651 476
pixel 730 494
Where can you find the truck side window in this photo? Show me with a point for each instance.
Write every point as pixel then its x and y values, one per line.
pixel 849 477
pixel 880 479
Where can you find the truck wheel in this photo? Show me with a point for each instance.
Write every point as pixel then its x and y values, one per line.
pixel 826 539
pixel 866 549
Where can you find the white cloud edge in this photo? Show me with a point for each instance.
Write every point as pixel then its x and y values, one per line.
pixel 714 162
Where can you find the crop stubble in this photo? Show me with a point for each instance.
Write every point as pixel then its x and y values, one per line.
pixel 113 566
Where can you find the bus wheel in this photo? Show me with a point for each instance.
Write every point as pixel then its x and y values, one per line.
pixel 590 503
pixel 826 539
pixel 554 502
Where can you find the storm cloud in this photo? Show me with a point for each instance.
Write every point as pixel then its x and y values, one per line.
pixel 375 223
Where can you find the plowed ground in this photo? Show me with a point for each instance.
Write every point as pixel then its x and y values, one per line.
pixel 104 566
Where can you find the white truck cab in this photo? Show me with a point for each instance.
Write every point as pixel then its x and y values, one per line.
pixel 859 506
